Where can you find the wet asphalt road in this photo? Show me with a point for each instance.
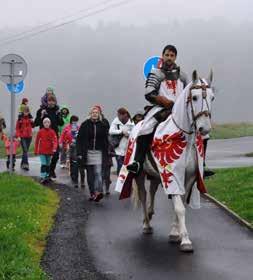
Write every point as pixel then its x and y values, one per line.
pixel 119 250
pixel 230 152
pixel 223 249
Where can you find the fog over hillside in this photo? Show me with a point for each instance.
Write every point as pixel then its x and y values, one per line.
pixel 102 64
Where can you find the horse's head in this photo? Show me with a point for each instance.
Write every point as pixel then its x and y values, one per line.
pixel 199 101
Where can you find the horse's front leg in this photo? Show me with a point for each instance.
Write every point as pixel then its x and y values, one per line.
pixel 174 235
pixel 152 192
pixel 147 229
pixel 186 244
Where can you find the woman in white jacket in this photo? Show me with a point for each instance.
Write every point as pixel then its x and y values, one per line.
pixel 121 126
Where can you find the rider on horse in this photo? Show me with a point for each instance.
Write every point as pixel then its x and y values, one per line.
pixel 163 85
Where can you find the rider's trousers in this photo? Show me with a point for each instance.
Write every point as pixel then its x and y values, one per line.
pixel 142 146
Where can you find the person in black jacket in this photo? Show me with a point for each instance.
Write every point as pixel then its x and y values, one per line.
pixel 92 151
pixel 2 124
pixel 108 163
pixel 52 111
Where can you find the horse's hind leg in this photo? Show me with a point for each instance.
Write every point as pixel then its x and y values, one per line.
pixel 140 181
pixel 152 191
pixel 186 244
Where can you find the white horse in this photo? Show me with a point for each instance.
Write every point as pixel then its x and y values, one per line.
pixel 197 112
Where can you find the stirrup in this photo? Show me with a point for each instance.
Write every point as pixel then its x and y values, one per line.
pixel 134 167
pixel 208 173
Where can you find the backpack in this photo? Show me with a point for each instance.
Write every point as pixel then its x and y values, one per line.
pixel 114 140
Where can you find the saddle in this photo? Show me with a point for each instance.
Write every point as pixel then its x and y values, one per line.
pixel 162 115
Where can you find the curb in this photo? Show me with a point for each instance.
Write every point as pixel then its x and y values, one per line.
pixel 228 211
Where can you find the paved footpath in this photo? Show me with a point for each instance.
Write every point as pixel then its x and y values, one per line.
pixel 119 250
pixel 230 152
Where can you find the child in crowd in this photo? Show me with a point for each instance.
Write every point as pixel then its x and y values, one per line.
pixel 24 131
pixel 7 144
pixel 23 104
pixel 68 140
pixel 65 114
pixel 45 146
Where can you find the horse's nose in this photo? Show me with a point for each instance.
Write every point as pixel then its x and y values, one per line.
pixel 201 129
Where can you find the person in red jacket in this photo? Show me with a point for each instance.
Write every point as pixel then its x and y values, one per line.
pixel 46 144
pixel 24 132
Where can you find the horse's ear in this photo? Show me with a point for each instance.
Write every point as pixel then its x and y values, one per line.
pixel 195 76
pixel 210 78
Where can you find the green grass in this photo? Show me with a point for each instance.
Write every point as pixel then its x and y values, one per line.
pixel 231 130
pixel 26 216
pixel 249 155
pixel 234 188
pixel 2 149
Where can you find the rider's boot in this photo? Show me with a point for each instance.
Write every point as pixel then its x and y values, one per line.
pixel 142 145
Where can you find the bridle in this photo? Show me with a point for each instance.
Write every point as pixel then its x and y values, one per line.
pixel 207 112
pixel 195 117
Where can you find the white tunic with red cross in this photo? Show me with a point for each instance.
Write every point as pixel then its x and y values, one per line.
pixel 168 89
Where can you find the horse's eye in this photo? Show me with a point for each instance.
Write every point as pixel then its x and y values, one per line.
pixel 212 99
pixel 195 98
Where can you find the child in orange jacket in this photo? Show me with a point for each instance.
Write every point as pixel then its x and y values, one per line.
pixel 7 144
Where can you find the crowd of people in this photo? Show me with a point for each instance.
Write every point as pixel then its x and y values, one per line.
pixel 90 147
pixel 86 150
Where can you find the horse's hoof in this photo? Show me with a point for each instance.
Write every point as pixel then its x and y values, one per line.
pixel 174 238
pixel 186 248
pixel 148 230
pixel 150 215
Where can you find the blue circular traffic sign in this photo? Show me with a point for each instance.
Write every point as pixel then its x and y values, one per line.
pixel 17 88
pixel 151 63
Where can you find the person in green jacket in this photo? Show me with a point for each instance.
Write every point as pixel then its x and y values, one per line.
pixel 65 114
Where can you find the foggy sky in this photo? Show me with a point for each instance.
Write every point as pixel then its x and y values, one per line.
pixel 19 13
pixel 93 63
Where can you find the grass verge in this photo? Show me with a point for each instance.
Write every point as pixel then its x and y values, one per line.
pixel 26 216
pixel 249 155
pixel 234 188
pixel 231 130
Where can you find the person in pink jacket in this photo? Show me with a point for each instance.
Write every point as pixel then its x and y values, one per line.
pixel 66 136
pixel 7 144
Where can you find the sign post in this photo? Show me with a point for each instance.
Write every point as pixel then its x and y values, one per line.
pixel 151 62
pixel 13 69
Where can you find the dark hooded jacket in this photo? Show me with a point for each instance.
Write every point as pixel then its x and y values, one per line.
pixel 2 124
pixel 53 114
pixel 92 136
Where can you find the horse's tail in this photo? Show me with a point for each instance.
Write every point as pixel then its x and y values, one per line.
pixel 135 195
